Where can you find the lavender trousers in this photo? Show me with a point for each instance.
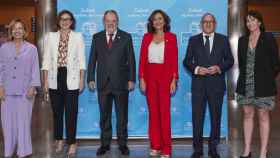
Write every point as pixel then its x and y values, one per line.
pixel 16 112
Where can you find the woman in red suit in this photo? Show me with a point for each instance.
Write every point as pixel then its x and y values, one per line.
pixel 158 73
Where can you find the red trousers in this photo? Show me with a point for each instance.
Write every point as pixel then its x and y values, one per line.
pixel 158 99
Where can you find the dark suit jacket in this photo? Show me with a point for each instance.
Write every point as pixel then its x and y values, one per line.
pixel 197 56
pixel 116 65
pixel 266 67
pixel 170 56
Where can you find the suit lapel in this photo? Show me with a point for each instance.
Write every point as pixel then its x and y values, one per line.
pixel 201 41
pixel 56 41
pixel 117 39
pixel 166 43
pixel 257 45
pixel 214 45
pixel 70 42
pixel 260 40
pixel 246 45
pixel 202 45
pixel 102 41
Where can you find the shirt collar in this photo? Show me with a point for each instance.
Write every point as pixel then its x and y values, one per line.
pixel 211 35
pixel 23 44
pixel 67 32
pixel 22 48
pixel 114 34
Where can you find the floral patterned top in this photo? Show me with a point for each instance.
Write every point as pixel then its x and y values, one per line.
pixel 62 49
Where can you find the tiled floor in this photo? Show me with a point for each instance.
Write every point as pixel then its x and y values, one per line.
pixel 142 151
pixel 42 143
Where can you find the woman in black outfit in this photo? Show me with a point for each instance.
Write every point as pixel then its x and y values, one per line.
pixel 256 87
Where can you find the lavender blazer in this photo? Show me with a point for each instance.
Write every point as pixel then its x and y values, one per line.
pixel 19 73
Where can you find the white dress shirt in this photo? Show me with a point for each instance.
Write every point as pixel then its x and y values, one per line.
pixel 108 36
pixel 156 52
pixel 211 39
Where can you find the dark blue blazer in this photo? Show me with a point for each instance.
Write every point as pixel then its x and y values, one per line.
pixel 220 55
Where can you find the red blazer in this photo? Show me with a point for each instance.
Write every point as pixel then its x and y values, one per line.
pixel 170 55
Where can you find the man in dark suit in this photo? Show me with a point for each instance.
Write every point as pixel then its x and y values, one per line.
pixel 208 58
pixel 112 52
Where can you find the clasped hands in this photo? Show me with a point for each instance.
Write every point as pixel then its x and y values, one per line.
pixel 212 70
pixel 31 92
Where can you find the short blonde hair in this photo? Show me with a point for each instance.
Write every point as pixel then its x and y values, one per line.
pixel 11 26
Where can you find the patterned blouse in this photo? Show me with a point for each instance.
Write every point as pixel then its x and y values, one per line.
pixel 249 98
pixel 62 49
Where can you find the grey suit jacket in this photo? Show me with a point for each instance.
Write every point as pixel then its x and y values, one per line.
pixel 115 66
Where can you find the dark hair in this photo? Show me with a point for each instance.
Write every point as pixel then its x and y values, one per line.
pixel 258 16
pixel 113 12
pixel 166 18
pixel 73 25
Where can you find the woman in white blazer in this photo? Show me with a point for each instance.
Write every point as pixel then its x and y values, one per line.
pixel 63 68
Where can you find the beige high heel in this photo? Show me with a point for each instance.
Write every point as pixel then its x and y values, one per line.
pixel 72 151
pixel 154 152
pixel 164 156
pixel 59 144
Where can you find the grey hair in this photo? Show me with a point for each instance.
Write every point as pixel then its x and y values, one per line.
pixel 113 12
pixel 206 14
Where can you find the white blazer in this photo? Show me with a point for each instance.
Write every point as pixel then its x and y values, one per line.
pixel 75 58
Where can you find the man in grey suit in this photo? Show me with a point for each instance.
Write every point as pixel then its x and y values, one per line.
pixel 112 52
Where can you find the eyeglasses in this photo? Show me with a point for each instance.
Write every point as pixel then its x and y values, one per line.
pixel 208 22
pixel 65 19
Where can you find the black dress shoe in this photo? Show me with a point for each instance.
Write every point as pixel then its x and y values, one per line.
pixel 248 156
pixel 124 150
pixel 197 155
pixel 102 150
pixel 213 154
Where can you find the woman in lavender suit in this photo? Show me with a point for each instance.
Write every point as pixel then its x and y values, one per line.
pixel 19 75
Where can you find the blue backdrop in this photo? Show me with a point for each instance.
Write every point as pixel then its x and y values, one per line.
pixel 185 17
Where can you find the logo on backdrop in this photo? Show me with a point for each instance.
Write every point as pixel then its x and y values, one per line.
pixel 88 29
pixel 193 29
pixel 140 30
pixel 185 19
